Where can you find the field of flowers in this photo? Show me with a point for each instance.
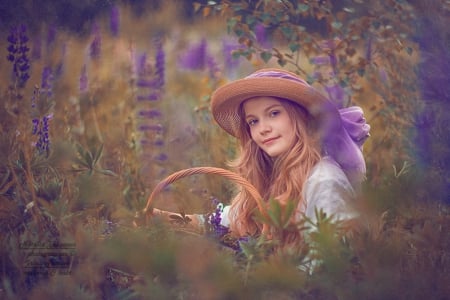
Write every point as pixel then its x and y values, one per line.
pixel 91 120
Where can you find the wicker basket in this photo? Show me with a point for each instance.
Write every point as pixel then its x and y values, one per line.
pixel 146 212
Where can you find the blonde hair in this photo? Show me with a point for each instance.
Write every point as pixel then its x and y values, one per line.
pixel 280 178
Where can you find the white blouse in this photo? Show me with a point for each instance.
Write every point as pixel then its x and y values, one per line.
pixel 327 189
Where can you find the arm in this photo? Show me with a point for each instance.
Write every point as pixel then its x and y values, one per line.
pixel 189 221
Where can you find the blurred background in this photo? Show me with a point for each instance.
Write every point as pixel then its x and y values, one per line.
pixel 101 100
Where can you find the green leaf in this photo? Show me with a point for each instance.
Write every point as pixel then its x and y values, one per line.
pixel 250 20
pixel 81 162
pixel 265 17
pixel 266 56
pixel 282 62
pixel 236 54
pixel 294 47
pixel 107 172
pixel 409 50
pixel 98 153
pixel 361 72
pixel 302 8
pixel 336 25
pixel 287 31
pixel 275 213
pixel 288 213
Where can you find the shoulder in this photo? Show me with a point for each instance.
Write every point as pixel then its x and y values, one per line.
pixel 329 189
pixel 327 169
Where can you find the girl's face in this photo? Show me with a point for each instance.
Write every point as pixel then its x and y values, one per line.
pixel 271 128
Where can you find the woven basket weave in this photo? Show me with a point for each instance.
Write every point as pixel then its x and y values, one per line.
pixel 146 212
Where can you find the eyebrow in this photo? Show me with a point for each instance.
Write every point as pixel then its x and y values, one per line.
pixel 265 110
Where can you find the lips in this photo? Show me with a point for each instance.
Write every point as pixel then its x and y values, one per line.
pixel 268 141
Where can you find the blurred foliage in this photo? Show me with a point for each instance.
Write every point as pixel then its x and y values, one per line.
pixel 66 213
pixel 356 52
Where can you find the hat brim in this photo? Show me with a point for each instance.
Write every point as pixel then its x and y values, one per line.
pixel 226 100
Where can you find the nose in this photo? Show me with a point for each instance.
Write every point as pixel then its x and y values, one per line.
pixel 264 127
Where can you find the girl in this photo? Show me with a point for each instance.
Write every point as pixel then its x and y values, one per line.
pixel 295 145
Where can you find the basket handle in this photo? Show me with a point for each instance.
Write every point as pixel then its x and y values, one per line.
pixel 207 170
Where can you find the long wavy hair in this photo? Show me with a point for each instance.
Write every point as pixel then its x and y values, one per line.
pixel 279 178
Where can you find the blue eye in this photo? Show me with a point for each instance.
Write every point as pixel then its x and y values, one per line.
pixel 274 113
pixel 252 122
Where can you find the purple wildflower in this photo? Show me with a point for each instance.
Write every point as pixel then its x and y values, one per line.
pixel 333 61
pixel 230 63
pixel 369 50
pixel 145 127
pixel 320 60
pixel 83 80
pixel 195 57
pixel 216 229
pixel 159 65
pixel 151 113
pixel 47 81
pixel 150 80
pixel 384 77
pixel 18 54
pixel 96 44
pixel 41 130
pixel 36 49
pixel 149 97
pixel 161 157
pixel 261 36
pixel 158 143
pixel 109 227
pixel 141 65
pixel 51 35
pixel 213 67
pixel 114 20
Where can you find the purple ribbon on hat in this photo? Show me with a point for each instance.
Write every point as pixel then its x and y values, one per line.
pixel 345 144
pixel 355 124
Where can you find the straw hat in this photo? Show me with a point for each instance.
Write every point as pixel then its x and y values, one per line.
pixel 226 100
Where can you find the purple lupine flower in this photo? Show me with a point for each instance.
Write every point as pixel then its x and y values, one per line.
pixel 320 60
pixel 146 127
pixel 149 97
pixel 159 65
pixel 231 63
pixel 161 157
pixel 261 36
pixel 96 44
pixel 384 77
pixel 36 49
pixel 83 80
pixel 151 113
pixel 18 54
pixel 216 229
pixel 47 81
pixel 158 143
pixel 109 227
pixel 51 35
pixel 141 65
pixel 59 69
pixel 114 21
pixel 213 67
pixel 195 57
pixel 41 130
pixel 333 61
pixel 369 50
pixel 150 82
